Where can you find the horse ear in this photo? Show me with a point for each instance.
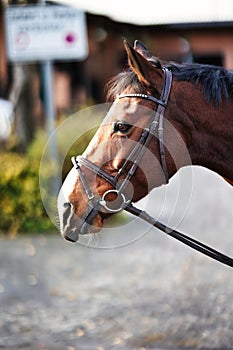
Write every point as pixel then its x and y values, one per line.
pixel 141 48
pixel 139 64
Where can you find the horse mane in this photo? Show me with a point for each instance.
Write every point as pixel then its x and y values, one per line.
pixel 216 82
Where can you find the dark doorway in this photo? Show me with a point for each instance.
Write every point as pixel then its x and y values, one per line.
pixel 216 59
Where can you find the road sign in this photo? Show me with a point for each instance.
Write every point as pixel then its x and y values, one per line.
pixel 36 33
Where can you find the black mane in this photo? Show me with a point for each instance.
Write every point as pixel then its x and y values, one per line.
pixel 216 82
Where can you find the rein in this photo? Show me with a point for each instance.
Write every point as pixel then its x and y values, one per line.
pixel 101 205
pixel 192 243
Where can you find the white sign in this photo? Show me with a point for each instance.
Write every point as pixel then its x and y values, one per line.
pixel 45 33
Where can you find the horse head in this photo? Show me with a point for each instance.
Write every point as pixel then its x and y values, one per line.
pixel 129 154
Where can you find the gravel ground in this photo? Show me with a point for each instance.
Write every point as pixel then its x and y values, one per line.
pixel 152 294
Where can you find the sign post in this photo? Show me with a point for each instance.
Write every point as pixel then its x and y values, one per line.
pixel 46 33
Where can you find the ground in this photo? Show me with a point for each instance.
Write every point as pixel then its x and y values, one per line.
pixel 154 293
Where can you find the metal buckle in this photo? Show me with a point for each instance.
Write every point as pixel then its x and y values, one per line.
pixel 120 200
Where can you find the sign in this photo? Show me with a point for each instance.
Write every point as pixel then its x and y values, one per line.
pixel 45 33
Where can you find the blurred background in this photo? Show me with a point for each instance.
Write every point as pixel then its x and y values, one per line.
pixel 153 293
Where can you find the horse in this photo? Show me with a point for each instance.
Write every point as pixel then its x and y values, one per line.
pixel 164 116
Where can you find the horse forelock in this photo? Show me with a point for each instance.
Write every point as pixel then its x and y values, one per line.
pixel 122 82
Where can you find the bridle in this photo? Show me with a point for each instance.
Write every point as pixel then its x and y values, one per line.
pixel 101 205
pixel 132 162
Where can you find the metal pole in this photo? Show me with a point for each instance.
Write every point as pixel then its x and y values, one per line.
pixel 50 114
pixel 48 79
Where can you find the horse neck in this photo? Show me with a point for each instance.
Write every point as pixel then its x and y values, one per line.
pixel 207 131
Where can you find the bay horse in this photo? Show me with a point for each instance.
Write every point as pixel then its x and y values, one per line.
pixel 164 116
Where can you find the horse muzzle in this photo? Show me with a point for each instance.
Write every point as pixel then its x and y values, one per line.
pixel 98 207
pixel 73 225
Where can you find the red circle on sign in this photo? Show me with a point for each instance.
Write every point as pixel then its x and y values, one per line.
pixel 22 41
pixel 70 38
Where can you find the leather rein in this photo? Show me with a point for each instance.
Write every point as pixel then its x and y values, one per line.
pixel 101 205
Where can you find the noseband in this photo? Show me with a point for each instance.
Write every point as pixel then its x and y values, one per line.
pixel 101 205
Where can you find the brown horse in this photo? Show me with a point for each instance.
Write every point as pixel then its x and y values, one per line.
pixel 164 116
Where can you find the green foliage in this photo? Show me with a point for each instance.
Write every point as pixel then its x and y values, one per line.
pixel 20 205
pixel 21 208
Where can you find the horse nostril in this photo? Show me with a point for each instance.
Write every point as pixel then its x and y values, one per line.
pixel 69 232
pixel 66 213
pixel 70 239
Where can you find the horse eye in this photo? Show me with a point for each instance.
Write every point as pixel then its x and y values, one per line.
pixel 122 127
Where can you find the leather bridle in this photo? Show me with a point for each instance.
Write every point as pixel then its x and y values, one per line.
pixel 101 205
